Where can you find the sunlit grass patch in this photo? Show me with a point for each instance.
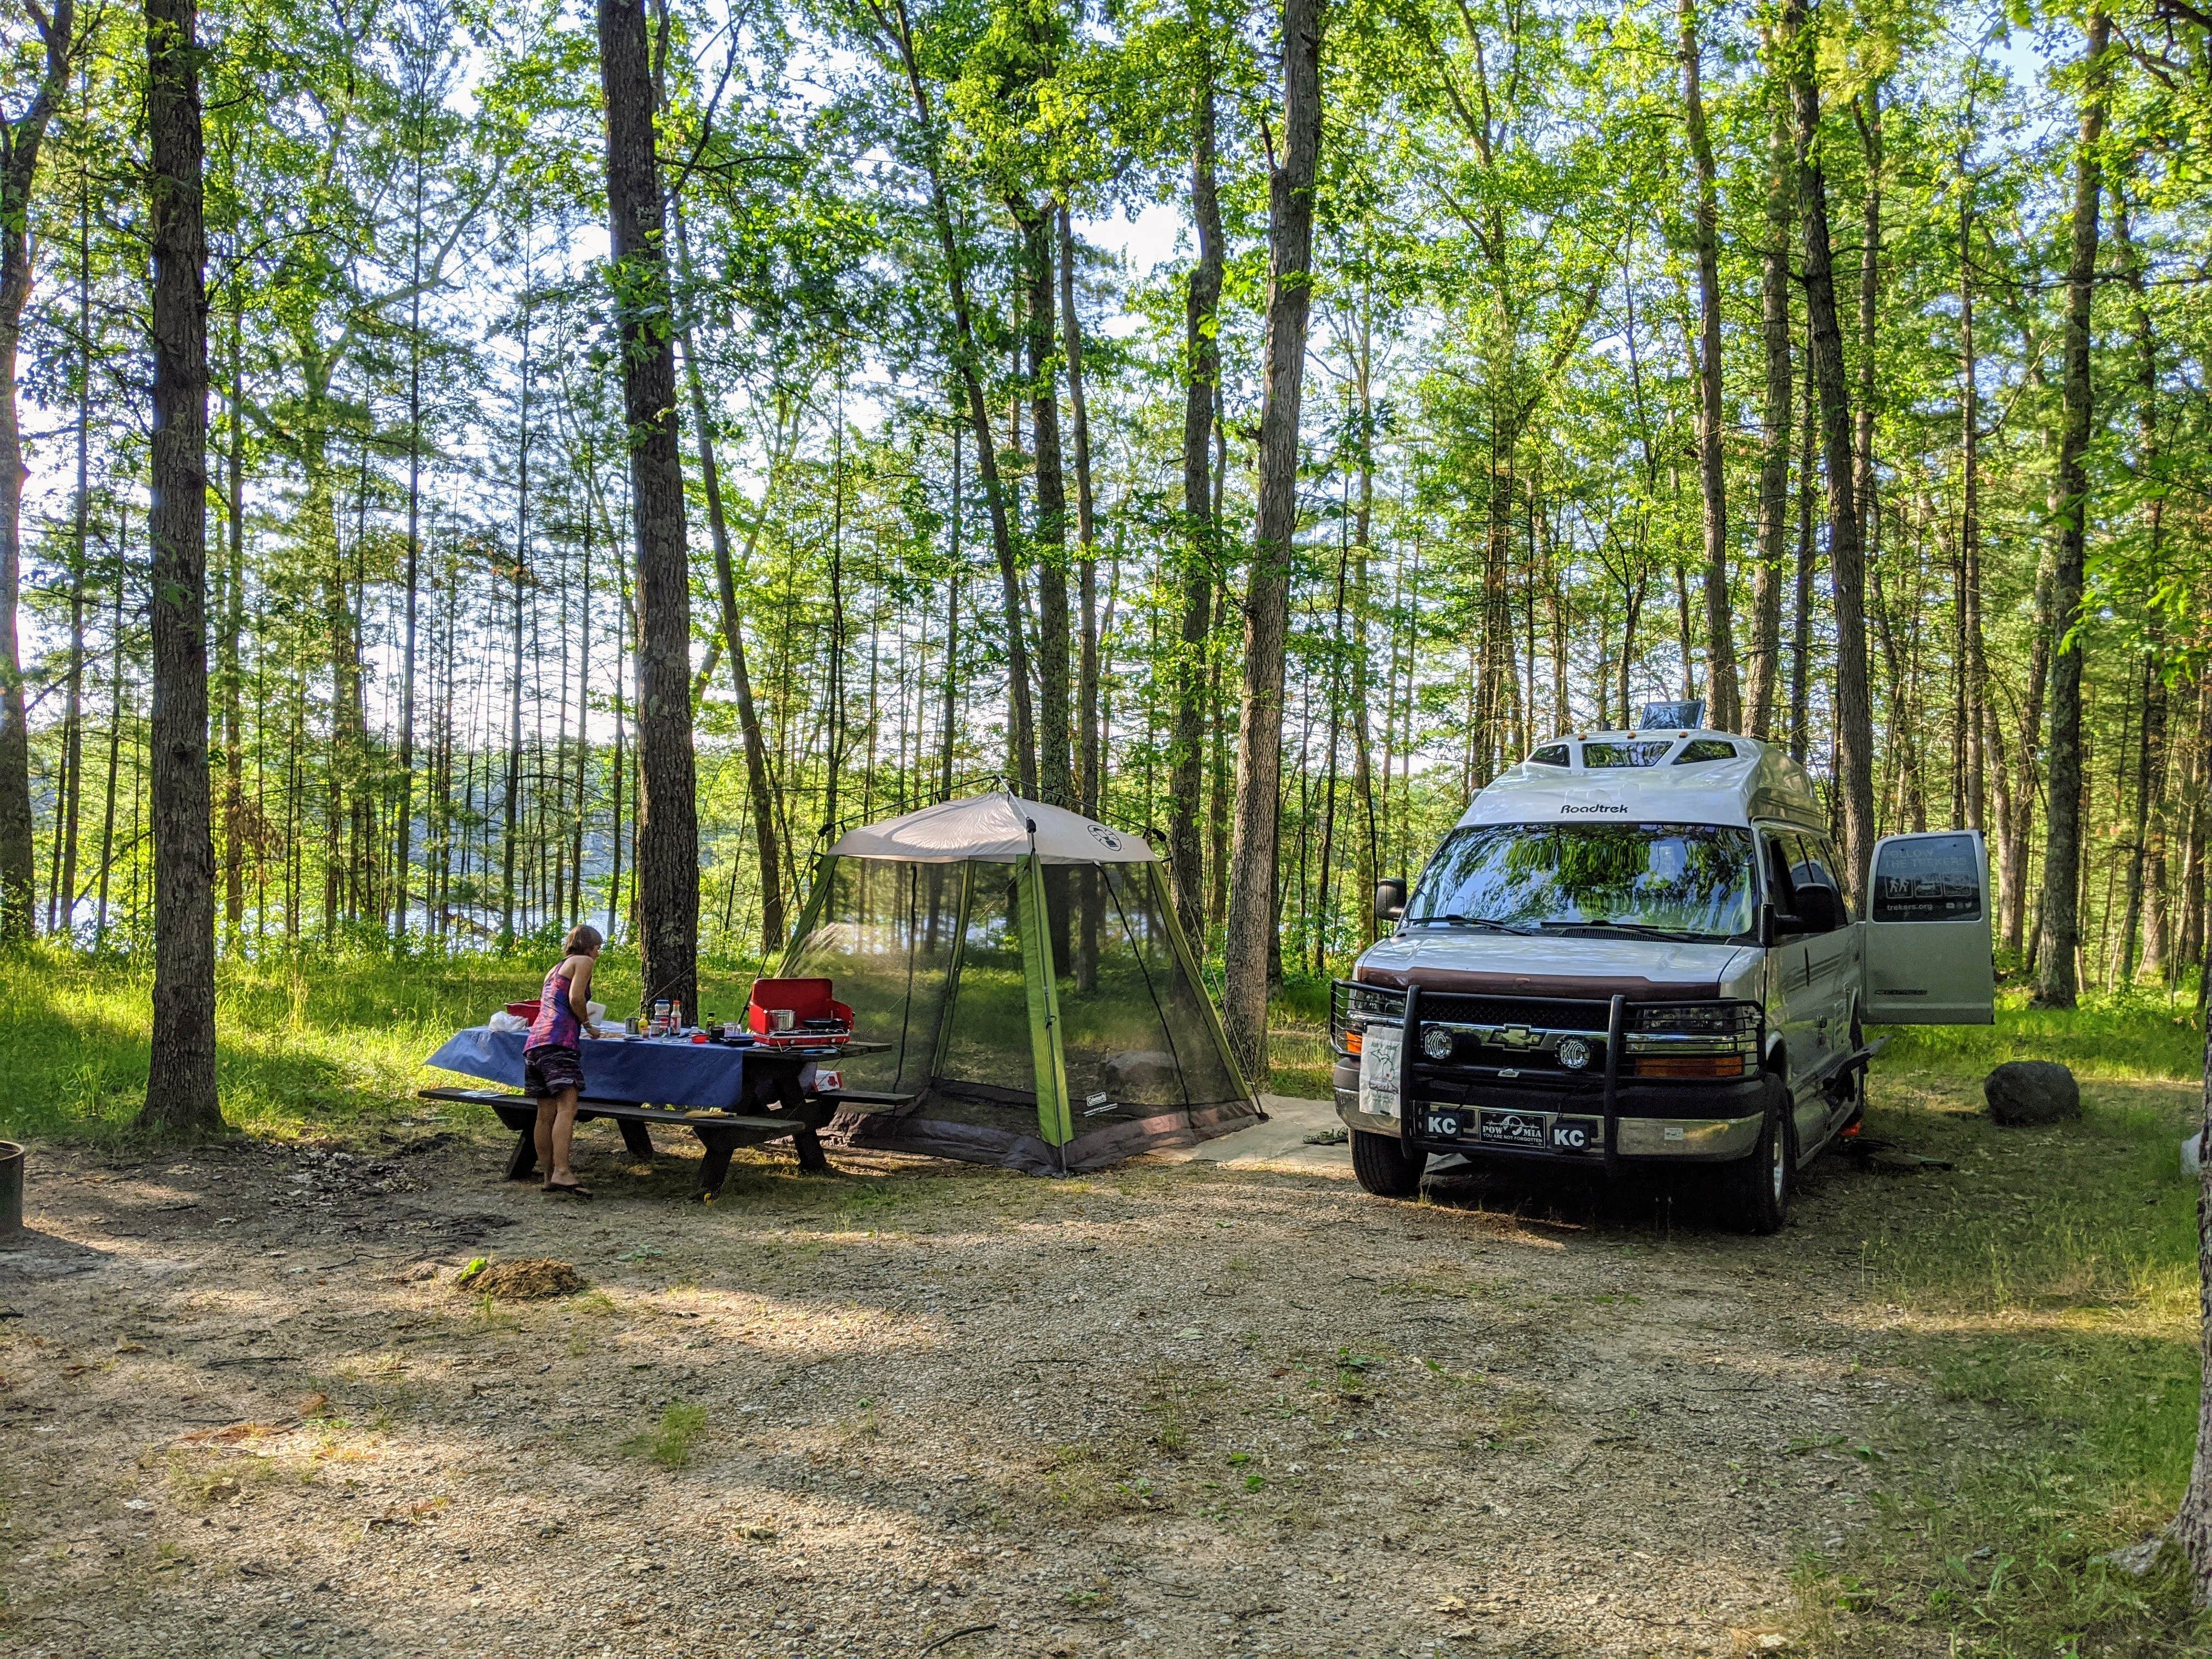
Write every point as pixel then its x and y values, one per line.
pixel 321 1040
pixel 2125 1035
pixel 2048 1291
pixel 669 1443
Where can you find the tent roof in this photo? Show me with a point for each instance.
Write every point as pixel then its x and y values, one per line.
pixel 995 829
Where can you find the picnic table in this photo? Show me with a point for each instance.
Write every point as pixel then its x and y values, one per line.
pixel 727 1096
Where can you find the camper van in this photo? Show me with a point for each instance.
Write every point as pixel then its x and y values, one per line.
pixel 1635 949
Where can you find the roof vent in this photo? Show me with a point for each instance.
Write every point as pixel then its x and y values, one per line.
pixel 1662 716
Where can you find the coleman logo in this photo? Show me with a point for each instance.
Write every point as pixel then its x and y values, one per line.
pixel 1105 837
pixel 1571 809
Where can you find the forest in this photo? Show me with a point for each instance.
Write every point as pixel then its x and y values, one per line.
pixel 1253 429
pixel 471 468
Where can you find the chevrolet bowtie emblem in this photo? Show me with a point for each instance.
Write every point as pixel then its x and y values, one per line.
pixel 1516 1037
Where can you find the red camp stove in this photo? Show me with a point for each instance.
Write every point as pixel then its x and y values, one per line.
pixel 798 1013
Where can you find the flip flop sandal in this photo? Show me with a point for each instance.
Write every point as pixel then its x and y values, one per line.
pixel 572 1189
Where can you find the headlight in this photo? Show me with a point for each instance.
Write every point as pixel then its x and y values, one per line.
pixel 1719 1019
pixel 1437 1043
pixel 1695 1040
pixel 1573 1053
pixel 1376 1002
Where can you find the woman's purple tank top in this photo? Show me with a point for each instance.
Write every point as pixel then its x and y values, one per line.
pixel 556 1026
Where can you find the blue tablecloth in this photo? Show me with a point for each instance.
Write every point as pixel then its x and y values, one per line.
pixel 661 1074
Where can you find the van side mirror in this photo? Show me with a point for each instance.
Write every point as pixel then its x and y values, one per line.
pixel 1390 899
pixel 1819 910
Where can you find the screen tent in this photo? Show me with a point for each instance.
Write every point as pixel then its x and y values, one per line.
pixel 1043 1009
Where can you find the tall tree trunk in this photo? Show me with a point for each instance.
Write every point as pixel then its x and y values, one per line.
pixel 668 826
pixel 1801 601
pixel 1975 670
pixel 180 1081
pixel 1089 740
pixel 1854 712
pixel 1089 784
pixel 2034 695
pixel 2150 846
pixel 230 686
pixel 20 141
pixel 1199 550
pixel 2055 986
pixel 952 623
pixel 1267 614
pixel 1774 452
pixel 1866 111
pixel 1721 683
pixel 404 855
pixel 1055 766
pixel 897 29
pixel 63 915
pixel 118 707
pixel 757 786
pixel 1368 869
pixel 511 818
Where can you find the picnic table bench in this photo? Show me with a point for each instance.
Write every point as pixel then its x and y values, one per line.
pixel 727 1097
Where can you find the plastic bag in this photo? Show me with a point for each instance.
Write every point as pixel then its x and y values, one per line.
pixel 503 1021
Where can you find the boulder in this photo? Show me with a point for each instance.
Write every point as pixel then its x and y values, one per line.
pixel 1134 1071
pixel 2032 1091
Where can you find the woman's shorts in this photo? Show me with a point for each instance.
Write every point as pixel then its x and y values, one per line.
pixel 546 1071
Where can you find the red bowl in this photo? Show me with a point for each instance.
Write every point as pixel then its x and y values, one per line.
pixel 523 1010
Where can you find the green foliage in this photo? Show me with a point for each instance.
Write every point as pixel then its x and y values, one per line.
pixel 670 1441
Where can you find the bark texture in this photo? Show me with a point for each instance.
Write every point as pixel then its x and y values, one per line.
pixel 1846 550
pixel 1722 687
pixel 20 142
pixel 1266 616
pixel 2055 982
pixel 1201 374
pixel 180 1085
pixel 1774 452
pixel 667 821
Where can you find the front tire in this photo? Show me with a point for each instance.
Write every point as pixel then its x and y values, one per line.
pixel 1757 1190
pixel 1384 1167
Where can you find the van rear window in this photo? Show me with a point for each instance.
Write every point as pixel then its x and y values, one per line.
pixel 1639 752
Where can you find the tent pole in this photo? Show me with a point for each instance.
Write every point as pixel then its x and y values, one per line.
pixel 1055 1119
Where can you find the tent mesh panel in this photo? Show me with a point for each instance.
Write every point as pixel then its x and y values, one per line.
pixel 884 938
pixel 988 1075
pixel 1133 1027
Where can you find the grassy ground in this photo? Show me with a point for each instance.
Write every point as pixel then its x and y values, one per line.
pixel 2048 1287
pixel 312 1043
pixel 2050 1291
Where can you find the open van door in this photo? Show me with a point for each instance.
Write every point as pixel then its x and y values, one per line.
pixel 1928 957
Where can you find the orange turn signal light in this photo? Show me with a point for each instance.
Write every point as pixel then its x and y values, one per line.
pixel 1354 1041
pixel 1686 1066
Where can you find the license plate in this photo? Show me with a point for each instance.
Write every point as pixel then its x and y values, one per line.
pixel 1442 1126
pixel 1378 1070
pixel 1577 1134
pixel 1513 1129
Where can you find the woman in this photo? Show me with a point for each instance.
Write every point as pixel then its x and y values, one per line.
pixel 552 1069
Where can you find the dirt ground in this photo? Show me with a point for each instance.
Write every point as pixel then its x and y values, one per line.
pixel 1184 1406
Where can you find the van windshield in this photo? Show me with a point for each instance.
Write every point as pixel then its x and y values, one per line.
pixel 1675 880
